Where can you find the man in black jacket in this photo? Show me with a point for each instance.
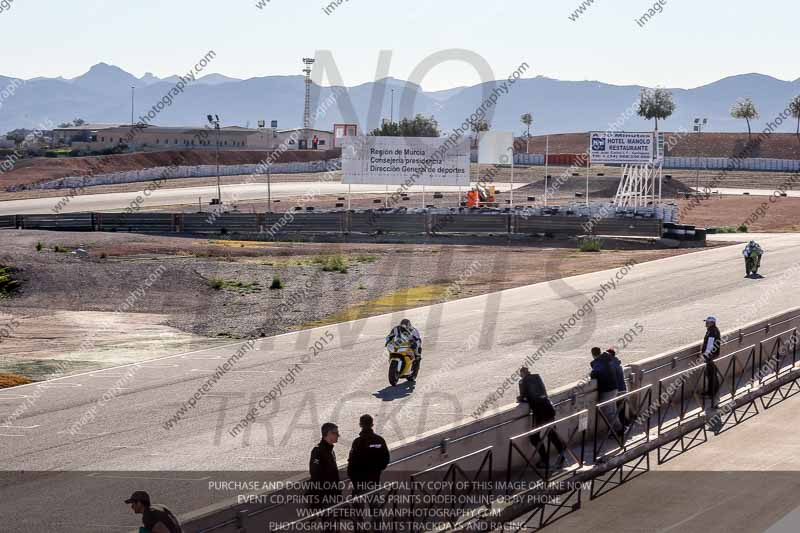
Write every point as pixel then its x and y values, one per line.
pixel 711 344
pixel 325 490
pixel 369 457
pixel 604 371
pixel 533 391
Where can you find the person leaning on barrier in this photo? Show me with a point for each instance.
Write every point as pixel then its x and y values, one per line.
pixel 711 345
pixel 622 387
pixel 605 374
pixel 369 457
pixel 325 490
pixel 155 518
pixel 533 391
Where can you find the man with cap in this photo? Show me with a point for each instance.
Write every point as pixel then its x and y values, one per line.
pixel 155 518
pixel 325 490
pixel 369 457
pixel 711 345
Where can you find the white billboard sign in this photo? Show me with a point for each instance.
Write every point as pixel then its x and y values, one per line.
pixel 621 147
pixel 405 161
pixel 495 147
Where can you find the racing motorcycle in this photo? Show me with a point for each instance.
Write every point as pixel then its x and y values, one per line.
pixel 401 361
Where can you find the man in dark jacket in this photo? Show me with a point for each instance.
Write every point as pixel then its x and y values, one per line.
pixel 622 388
pixel 711 345
pixel 533 391
pixel 369 457
pixel 604 372
pixel 325 490
pixel 155 518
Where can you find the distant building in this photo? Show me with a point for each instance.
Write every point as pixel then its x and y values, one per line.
pixel 147 137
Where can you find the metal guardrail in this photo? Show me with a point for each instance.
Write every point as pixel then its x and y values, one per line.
pixel 542 440
pixel 8 222
pixel 622 423
pixel 338 222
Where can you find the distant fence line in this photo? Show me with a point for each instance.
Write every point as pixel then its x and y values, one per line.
pixel 175 172
pixel 702 163
pixel 334 223
pixel 302 167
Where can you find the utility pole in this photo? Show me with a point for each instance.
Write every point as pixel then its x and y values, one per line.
pixel 133 99
pixel 391 111
pixel 214 121
pixel 698 128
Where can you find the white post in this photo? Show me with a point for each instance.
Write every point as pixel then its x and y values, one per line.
pixel 423 197
pixel 546 157
pixel 386 196
pixel 588 166
pixel 511 201
pixel 349 194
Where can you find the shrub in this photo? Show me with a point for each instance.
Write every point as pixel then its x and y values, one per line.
pixel 217 283
pixel 742 229
pixel 333 263
pixel 39 246
pixel 276 283
pixel 726 229
pixel 590 244
pixel 8 284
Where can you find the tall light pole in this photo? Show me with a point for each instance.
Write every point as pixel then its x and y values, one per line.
pixel 307 61
pixel 214 121
pixel 699 123
pixel 391 111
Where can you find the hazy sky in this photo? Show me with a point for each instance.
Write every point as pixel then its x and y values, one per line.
pixel 690 43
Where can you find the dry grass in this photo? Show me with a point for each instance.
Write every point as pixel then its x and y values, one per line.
pixel 12 380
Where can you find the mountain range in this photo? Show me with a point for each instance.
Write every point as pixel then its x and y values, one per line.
pixel 103 95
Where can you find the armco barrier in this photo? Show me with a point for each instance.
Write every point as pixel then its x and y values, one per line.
pixel 65 222
pixel 136 222
pixel 470 223
pixel 338 222
pixel 221 223
pixel 373 222
pixel 579 418
pixel 8 221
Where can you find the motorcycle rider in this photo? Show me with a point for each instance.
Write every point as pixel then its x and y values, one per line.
pixel 403 331
pixel 752 258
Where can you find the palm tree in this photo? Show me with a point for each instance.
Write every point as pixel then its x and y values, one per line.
pixel 527 119
pixel 746 109
pixel 794 107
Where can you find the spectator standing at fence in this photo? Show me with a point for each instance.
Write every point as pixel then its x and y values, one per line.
pixel 711 345
pixel 533 391
pixel 369 457
pixel 622 387
pixel 604 372
pixel 325 490
pixel 155 518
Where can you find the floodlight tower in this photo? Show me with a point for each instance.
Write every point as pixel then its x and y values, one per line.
pixel 699 124
pixel 307 61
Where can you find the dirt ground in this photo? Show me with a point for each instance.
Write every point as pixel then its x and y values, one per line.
pixel 29 171
pixel 757 212
pixel 681 180
pixel 131 296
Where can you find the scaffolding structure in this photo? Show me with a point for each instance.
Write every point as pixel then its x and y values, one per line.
pixel 639 187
